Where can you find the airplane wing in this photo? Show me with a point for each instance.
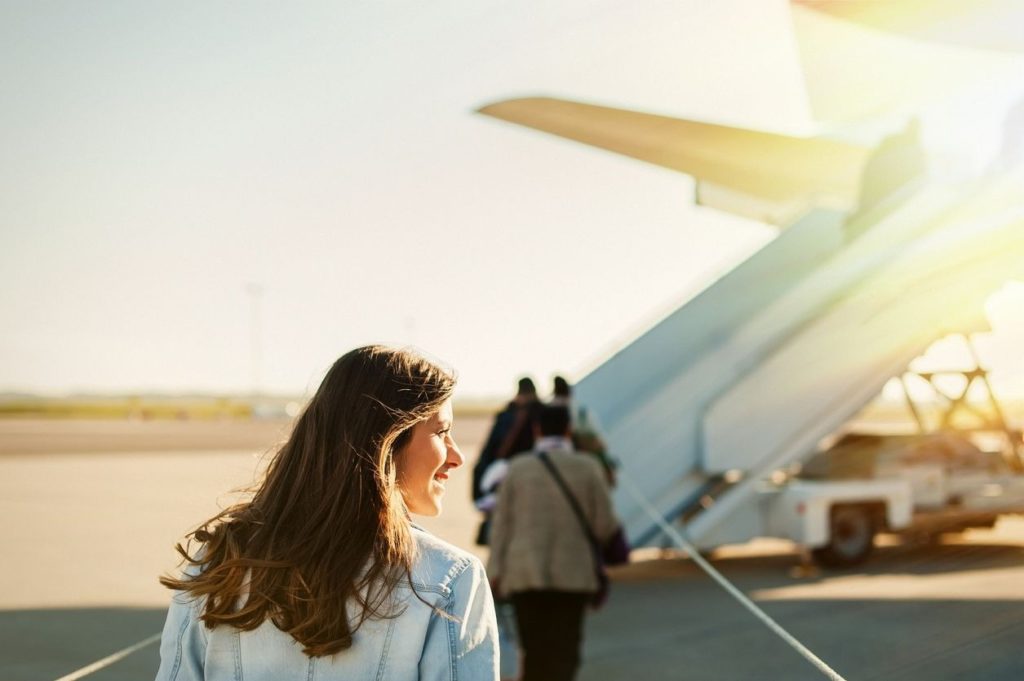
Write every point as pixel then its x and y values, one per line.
pixel 766 176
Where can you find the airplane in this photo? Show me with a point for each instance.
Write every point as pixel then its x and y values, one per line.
pixel 878 256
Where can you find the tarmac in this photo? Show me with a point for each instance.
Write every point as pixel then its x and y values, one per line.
pixel 89 512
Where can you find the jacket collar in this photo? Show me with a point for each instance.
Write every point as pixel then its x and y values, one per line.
pixel 553 443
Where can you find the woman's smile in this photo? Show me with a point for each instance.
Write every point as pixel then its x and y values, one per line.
pixel 425 461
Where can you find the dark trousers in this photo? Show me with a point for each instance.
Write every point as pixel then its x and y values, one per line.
pixel 550 633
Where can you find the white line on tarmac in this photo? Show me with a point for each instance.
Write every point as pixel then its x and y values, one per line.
pixel 109 659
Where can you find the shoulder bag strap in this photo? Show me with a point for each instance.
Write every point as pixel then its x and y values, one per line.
pixel 591 539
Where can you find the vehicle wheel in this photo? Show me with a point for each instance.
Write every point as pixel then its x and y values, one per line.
pixel 851 537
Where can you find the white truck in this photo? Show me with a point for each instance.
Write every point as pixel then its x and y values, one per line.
pixel 942 478
pixel 918 485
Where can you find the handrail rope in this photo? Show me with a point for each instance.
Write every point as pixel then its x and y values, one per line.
pixel 691 550
pixel 109 659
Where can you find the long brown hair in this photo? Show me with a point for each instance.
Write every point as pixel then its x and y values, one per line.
pixel 327 525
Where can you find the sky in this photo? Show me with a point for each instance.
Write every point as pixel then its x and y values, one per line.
pixel 224 197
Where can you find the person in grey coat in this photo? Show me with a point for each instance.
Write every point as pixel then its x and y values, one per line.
pixel 540 555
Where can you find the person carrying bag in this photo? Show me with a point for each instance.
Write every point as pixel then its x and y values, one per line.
pixel 539 557
pixel 613 552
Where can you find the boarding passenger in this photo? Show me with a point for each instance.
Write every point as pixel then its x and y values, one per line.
pixel 511 433
pixel 322 574
pixel 586 434
pixel 553 507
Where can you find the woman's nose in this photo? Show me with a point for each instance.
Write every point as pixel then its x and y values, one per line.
pixel 455 458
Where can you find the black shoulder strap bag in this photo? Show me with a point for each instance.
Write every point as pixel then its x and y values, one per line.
pixel 598 599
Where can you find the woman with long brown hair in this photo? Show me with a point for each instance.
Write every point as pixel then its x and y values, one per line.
pixel 322 575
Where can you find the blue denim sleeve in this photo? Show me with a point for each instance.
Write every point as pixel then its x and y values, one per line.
pixel 464 646
pixel 183 643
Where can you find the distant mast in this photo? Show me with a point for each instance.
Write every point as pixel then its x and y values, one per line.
pixel 255 292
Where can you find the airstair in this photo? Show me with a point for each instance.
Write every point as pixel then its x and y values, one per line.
pixel 749 375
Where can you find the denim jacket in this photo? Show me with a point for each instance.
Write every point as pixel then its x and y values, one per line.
pixel 418 644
